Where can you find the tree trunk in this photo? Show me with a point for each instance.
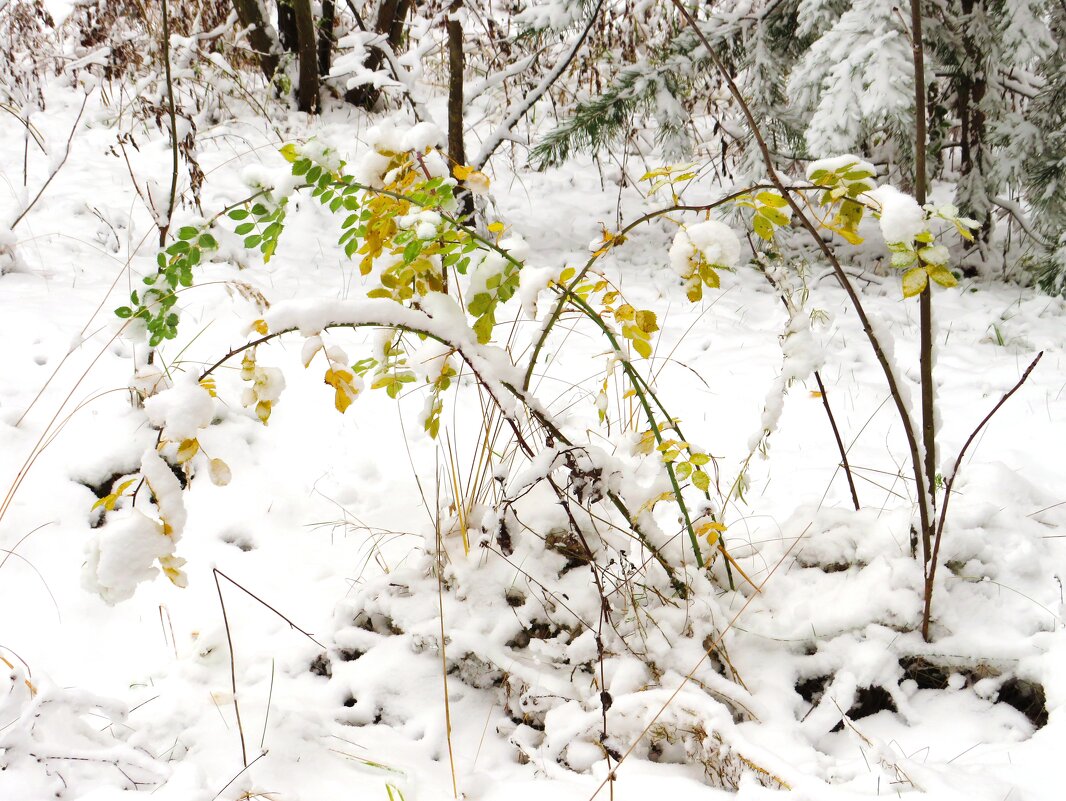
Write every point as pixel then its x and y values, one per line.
pixel 307 96
pixel 325 37
pixel 971 86
pixel 250 15
pixel 392 14
pixel 456 66
pixel 287 33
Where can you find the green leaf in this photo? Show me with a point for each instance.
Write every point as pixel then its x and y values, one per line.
pixel 479 304
pixel 252 241
pixel 238 214
pixel 483 328
pixel 187 232
pixel 411 251
pixel 701 480
pixel 123 312
pixel 207 242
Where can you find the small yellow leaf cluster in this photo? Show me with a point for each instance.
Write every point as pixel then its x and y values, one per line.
pixel 669 176
pixel 343 382
pixel 922 258
pixel 108 502
pixel 684 460
pixel 711 530
pixel 674 451
pixel 266 385
pixel 842 187
pixel 473 179
pixel 608 240
pixel 637 326
pixel 435 405
pixel 346 380
pixel 771 211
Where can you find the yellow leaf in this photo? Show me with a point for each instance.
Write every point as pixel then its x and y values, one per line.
pixel 566 275
pixel 772 199
pixel 914 281
pixel 172 570
pixel 289 153
pixel 462 171
pixel 941 274
pixel 497 227
pixel 815 393
pixel 248 365
pixel 643 347
pixel 209 385
pixel 712 531
pixel 477 182
pixel 108 502
pixel 701 480
pixel 650 503
pixel 262 411
pixel 625 313
pixel 647 442
pixel 187 449
pixel 260 327
pixel 341 400
pixel 647 321
pixel 219 473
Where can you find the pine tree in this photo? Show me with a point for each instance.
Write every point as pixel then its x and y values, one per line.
pixel 1045 167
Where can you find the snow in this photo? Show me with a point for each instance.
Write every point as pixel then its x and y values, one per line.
pixel 181 411
pixel 902 219
pixel 715 241
pixel 334 520
pixel 124 554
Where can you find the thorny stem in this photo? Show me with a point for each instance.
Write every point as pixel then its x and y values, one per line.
pixel 924 512
pixel 631 372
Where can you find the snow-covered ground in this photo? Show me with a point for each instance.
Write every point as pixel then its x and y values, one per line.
pixel 329 517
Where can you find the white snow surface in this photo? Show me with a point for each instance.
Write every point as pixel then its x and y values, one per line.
pixel 333 520
pixel 902 219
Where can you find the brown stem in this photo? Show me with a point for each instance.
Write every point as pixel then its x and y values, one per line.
pixel 931 572
pixel 924 512
pixel 925 299
pixel 232 671
pixel 173 128
pixel 840 442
